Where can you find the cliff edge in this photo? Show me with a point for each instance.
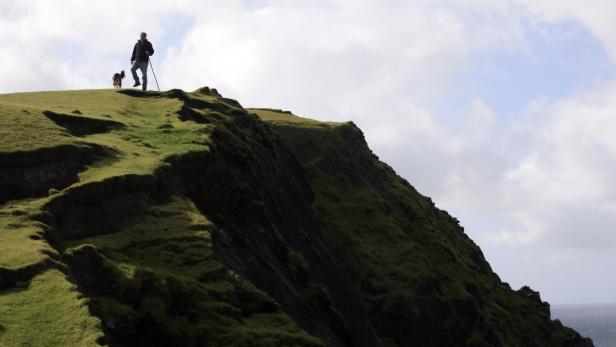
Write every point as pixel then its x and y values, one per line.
pixel 181 218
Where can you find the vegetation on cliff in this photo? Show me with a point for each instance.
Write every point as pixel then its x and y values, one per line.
pixel 141 218
pixel 422 279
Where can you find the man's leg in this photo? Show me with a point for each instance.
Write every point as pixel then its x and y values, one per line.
pixel 144 73
pixel 133 69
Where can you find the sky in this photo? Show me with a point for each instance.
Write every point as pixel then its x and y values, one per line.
pixel 502 111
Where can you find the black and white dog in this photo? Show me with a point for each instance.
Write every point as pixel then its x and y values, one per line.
pixel 117 80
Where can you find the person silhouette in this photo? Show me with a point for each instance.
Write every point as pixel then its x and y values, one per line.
pixel 139 60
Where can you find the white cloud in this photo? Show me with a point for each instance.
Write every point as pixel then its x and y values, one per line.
pixel 596 15
pixel 569 177
pixel 540 181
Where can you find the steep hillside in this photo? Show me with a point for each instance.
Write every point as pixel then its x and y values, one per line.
pixel 182 219
pixel 422 280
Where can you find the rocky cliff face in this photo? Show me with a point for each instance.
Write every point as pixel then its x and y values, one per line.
pixel 141 219
pixel 422 281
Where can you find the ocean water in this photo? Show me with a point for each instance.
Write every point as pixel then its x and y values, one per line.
pixel 597 321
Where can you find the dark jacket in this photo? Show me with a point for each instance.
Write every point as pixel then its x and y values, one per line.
pixel 139 51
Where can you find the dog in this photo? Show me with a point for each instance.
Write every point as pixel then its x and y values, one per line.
pixel 117 80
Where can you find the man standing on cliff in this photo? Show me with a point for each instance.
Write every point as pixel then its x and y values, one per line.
pixel 139 60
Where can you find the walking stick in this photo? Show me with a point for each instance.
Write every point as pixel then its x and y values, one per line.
pixel 155 79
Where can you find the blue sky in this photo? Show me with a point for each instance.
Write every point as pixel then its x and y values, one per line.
pixel 503 111
pixel 560 60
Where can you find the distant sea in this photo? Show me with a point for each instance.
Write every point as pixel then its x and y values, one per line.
pixel 597 321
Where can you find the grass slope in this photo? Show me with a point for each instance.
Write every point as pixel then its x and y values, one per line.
pixel 151 279
pixel 122 213
pixel 159 283
pixel 46 311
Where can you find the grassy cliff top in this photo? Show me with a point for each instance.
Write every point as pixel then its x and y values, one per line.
pixel 277 116
pixel 181 218
pixel 85 199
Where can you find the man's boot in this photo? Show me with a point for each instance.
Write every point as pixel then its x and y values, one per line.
pixel 136 83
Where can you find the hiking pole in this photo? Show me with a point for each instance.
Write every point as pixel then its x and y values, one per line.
pixel 156 80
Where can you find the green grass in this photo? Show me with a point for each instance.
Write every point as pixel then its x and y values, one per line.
pixel 156 275
pixel 152 133
pixel 47 311
pixel 191 295
pixel 22 130
pixel 21 245
pixel 152 243
pixel 153 273
pixel 21 239
pixel 284 117
pixel 169 244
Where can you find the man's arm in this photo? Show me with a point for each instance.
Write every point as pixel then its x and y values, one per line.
pixel 132 57
pixel 151 49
